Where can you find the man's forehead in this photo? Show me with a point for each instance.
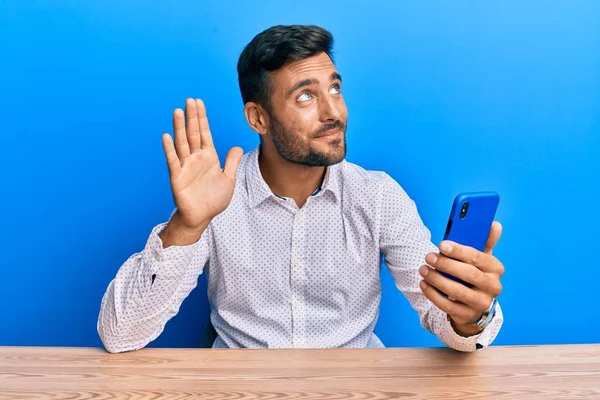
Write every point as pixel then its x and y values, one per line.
pixel 307 68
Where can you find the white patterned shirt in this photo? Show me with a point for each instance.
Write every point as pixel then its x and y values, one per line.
pixel 283 277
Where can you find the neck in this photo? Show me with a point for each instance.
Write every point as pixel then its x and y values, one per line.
pixel 289 179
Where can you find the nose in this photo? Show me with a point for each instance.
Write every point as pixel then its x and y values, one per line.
pixel 331 108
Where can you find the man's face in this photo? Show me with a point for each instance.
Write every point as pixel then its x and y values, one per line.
pixel 308 114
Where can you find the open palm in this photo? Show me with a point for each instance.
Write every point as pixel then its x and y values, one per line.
pixel 201 189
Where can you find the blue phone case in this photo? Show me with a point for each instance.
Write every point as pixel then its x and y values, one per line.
pixel 470 221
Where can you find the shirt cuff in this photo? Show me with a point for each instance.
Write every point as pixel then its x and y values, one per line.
pixel 446 333
pixel 172 261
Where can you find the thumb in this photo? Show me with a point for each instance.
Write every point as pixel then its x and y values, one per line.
pixel 232 162
pixel 494 235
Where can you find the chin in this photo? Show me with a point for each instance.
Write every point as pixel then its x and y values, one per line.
pixel 338 150
pixel 334 158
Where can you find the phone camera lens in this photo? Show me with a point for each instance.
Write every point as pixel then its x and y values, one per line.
pixel 464 209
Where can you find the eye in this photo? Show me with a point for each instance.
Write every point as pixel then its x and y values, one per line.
pixel 335 89
pixel 304 96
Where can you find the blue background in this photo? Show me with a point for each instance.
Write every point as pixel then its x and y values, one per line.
pixel 445 96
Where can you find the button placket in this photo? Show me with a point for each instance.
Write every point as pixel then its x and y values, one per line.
pixel 298 280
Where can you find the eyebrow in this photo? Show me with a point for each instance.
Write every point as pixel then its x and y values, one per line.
pixel 313 81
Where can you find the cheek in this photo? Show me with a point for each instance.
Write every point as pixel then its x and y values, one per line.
pixel 304 121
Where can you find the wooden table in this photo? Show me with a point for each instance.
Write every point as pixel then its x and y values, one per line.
pixel 531 372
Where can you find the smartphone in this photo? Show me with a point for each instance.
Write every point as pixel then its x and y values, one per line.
pixel 470 220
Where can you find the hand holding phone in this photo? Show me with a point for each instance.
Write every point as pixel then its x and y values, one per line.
pixel 464 278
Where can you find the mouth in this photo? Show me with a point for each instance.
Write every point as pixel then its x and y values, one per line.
pixel 330 133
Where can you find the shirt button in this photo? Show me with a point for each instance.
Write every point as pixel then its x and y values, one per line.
pixel 300 214
pixel 157 256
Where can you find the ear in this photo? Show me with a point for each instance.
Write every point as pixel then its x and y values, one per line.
pixel 257 117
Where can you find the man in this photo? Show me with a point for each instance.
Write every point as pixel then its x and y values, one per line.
pixel 291 234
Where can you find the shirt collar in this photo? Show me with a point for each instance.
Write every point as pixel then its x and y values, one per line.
pixel 259 191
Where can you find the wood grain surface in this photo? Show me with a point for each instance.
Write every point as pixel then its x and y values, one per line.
pixel 527 372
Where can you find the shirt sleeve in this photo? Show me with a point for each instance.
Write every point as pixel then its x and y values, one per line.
pixel 148 290
pixel 404 243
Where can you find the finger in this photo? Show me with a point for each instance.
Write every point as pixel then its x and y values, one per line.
pixel 488 283
pixel 460 313
pixel 205 135
pixel 495 233
pixel 172 159
pixel 232 162
pixel 181 143
pixel 471 256
pixel 192 126
pixel 477 300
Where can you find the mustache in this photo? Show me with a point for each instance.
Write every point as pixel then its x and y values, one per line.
pixel 327 127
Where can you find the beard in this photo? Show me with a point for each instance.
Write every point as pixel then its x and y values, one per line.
pixel 293 149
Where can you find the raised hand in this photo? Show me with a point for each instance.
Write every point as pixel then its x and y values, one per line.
pixel 201 189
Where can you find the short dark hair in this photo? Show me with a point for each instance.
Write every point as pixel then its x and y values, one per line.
pixel 272 49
